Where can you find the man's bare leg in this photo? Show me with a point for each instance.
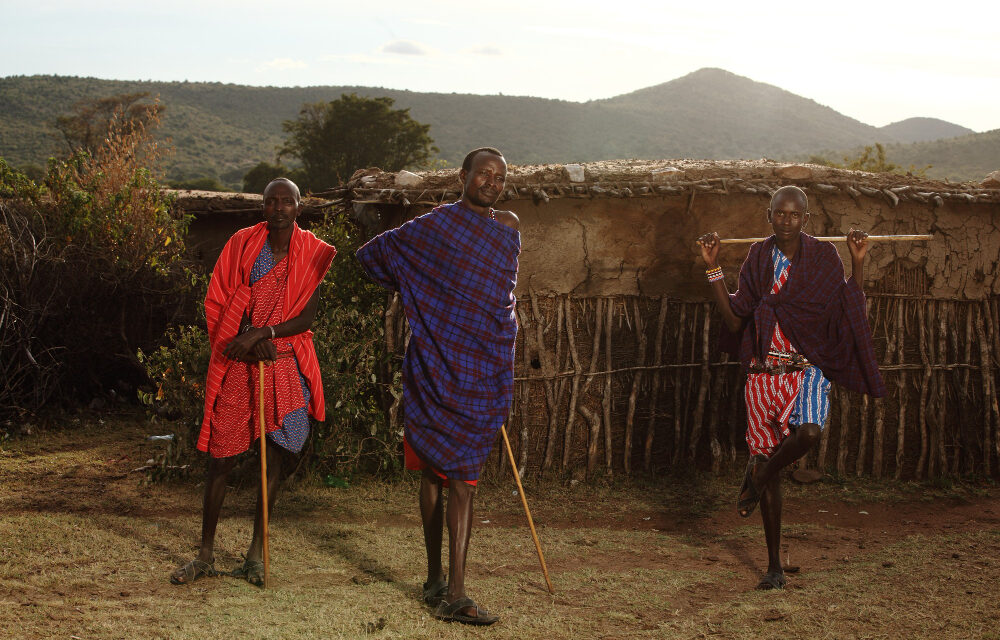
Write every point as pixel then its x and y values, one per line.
pixel 797 444
pixel 767 479
pixel 432 516
pixel 216 477
pixel 770 512
pixel 215 493
pixel 460 497
pixel 275 462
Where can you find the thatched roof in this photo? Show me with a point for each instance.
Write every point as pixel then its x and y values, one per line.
pixel 202 203
pixel 657 178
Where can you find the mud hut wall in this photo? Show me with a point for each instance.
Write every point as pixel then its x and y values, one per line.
pixel 635 258
pixel 607 270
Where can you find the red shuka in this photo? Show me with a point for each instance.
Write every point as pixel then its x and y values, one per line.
pixel 229 295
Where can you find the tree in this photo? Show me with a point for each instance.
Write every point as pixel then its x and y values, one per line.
pixel 872 160
pixel 334 139
pixel 262 173
pixel 90 122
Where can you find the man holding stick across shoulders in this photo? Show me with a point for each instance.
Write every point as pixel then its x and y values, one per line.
pixel 455 269
pixel 261 302
pixel 801 325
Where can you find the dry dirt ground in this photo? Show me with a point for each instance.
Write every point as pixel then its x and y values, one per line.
pixel 86 547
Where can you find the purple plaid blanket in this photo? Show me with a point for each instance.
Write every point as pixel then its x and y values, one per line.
pixel 456 272
pixel 824 317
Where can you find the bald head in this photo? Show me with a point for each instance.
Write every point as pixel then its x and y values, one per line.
pixel 790 192
pixel 285 181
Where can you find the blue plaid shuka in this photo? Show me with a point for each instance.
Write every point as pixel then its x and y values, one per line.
pixel 455 271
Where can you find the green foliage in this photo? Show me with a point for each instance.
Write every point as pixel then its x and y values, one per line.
pixel 358 379
pixel 177 370
pixel 334 139
pixel 15 184
pixel 109 205
pixel 263 173
pixel 871 159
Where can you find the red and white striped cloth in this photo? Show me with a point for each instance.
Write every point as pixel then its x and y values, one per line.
pixel 771 398
pixel 228 298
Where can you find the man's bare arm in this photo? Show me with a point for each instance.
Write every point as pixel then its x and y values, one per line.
pixel 710 254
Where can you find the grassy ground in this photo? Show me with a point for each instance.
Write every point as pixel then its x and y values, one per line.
pixel 86 548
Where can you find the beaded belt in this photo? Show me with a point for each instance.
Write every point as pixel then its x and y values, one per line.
pixel 778 362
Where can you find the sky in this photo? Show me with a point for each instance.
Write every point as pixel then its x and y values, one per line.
pixel 877 62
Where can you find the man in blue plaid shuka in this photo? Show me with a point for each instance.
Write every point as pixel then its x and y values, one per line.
pixel 455 269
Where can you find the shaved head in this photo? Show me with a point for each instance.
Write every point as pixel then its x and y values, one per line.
pixel 790 192
pixel 294 187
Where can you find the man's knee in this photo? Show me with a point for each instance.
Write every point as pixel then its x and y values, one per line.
pixel 810 433
pixel 220 466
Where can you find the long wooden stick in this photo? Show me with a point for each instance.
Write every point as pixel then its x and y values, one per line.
pixel 897 238
pixel 527 511
pixel 263 476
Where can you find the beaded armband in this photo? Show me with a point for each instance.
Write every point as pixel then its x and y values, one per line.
pixel 714 275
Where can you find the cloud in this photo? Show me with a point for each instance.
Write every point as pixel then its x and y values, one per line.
pixel 282 64
pixel 405 47
pixel 488 50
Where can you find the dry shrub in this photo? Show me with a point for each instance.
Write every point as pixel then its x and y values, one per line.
pixel 93 268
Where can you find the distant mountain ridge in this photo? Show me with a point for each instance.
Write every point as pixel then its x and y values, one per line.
pixel 223 129
pixel 923 130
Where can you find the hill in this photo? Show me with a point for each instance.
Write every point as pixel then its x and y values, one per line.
pixel 969 157
pixel 923 129
pixel 221 130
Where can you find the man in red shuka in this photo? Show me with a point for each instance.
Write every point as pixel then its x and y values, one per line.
pixel 261 302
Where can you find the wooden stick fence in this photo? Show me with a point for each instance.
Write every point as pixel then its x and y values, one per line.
pixel 604 383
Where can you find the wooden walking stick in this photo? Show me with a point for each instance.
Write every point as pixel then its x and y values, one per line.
pixel 263 476
pixel 527 512
pixel 896 238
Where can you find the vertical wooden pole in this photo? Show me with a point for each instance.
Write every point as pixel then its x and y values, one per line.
pixel 845 431
pixel 606 399
pixel 678 374
pixel 924 388
pixel 699 407
pixel 633 395
pixel 263 475
pixel 945 426
pixel 901 389
pixel 647 459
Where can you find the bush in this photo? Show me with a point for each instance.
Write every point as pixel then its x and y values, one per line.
pixel 93 267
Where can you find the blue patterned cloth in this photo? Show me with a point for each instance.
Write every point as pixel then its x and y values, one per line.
pixel 812 405
pixel 295 425
pixel 455 270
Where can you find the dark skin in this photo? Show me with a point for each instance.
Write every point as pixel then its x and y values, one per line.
pixel 482 186
pixel 787 215
pixel 281 208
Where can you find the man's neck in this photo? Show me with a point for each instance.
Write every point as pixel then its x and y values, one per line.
pixel 790 247
pixel 280 239
pixel 475 208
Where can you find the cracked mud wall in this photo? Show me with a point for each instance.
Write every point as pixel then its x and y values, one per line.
pixel 645 246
